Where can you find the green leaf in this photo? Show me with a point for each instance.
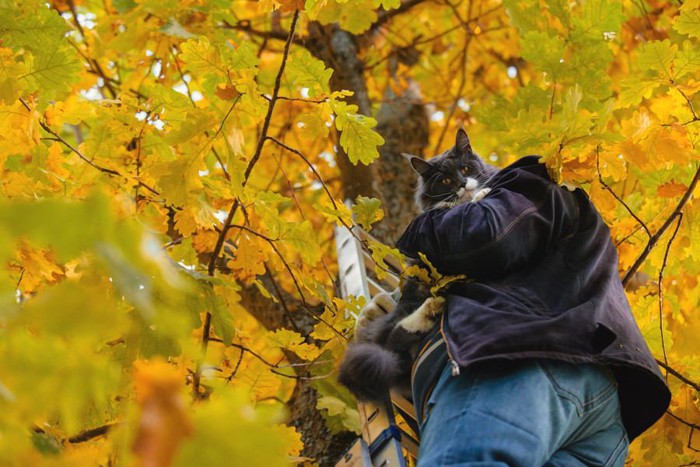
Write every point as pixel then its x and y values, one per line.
pixel 367 211
pixel 202 57
pixel 658 56
pixel 601 17
pixel 179 180
pixel 10 69
pixel 46 443
pixel 544 51
pixel 258 442
pixel 635 89
pixel 221 318
pixel 688 22
pixel 687 61
pixel 301 237
pixel 561 10
pixel 306 71
pixel 89 223
pixel 526 15
pixel 357 16
pixel 341 216
pixel 53 66
pixel 336 408
pixel 30 25
pixel 354 16
pixel 357 137
pixel 244 56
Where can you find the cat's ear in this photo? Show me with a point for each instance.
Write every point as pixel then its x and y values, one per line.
pixel 462 143
pixel 421 166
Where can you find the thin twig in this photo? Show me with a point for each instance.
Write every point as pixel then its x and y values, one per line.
pixel 463 69
pixel 244 26
pixel 678 375
pixel 655 238
pixel 271 242
pixel 660 285
pixel 618 198
pixel 92 433
pixel 283 302
pixel 388 15
pixel 235 369
pixel 232 212
pixel 258 151
pixel 105 170
pixel 308 163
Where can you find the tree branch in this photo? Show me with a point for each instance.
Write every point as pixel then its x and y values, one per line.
pixel 660 285
pixel 388 15
pixel 619 199
pixel 244 26
pixel 258 150
pixel 678 375
pixel 657 236
pixel 232 212
pixel 92 433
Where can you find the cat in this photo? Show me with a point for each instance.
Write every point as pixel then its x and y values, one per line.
pixel 385 343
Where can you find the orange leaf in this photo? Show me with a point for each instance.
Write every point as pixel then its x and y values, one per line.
pixel 671 189
pixel 164 422
pixel 226 92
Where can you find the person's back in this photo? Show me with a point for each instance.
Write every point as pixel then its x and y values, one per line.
pixel 540 336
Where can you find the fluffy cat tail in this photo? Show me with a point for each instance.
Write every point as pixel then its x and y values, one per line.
pixel 368 371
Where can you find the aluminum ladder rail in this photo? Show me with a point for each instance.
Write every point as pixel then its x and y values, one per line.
pixel 382 439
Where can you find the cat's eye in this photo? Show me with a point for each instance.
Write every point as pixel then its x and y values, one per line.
pixel 446 181
pixel 464 170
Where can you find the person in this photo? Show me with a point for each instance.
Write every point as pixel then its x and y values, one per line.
pixel 537 359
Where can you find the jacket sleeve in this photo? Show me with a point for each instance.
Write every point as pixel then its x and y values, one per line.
pixel 519 221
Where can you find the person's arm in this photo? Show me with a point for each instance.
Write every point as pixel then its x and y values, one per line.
pixel 515 224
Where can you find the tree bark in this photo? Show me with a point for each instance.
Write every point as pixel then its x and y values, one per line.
pixel 338 49
pixel 403 123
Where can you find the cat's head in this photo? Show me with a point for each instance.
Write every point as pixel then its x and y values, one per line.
pixel 451 178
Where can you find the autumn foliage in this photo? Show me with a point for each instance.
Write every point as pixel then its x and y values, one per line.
pixel 173 172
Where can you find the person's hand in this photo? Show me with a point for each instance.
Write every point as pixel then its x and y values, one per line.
pixel 380 305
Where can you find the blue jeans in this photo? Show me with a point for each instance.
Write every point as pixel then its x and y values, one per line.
pixel 524 413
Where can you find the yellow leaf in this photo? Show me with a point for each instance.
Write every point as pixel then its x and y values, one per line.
pixel 248 259
pixel 39 266
pixel 257 377
pixel 184 221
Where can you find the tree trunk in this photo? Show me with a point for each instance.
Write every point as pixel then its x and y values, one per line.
pixel 403 123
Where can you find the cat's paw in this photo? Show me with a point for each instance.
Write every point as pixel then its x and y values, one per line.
pixel 380 305
pixel 423 319
pixel 433 306
pixel 481 194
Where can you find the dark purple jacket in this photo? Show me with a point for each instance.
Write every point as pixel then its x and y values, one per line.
pixel 543 284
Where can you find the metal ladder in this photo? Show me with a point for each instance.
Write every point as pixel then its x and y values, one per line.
pixel 383 441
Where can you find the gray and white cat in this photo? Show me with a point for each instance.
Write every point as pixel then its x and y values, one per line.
pixel 385 344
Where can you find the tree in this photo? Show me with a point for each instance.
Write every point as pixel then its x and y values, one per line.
pixel 172 173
